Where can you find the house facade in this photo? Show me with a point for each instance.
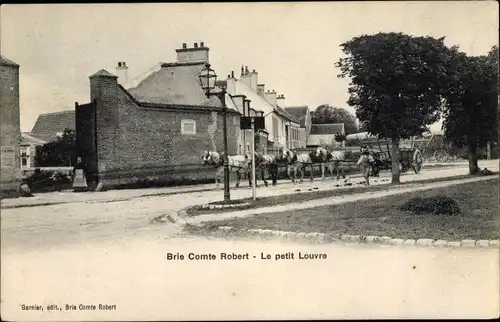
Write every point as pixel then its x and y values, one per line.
pixel 10 135
pixel 29 145
pixel 158 129
pixel 282 129
pixel 303 115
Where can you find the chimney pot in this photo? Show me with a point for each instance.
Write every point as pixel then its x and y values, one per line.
pixel 124 64
pixel 195 45
pixel 232 74
pixel 242 70
pixel 253 71
pixel 184 45
pixel 202 44
pixel 119 64
pixel 246 69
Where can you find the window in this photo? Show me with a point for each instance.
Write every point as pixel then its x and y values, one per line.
pixel 188 127
pixel 24 150
pixel 24 162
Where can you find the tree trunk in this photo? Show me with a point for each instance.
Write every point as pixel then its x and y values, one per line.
pixel 395 161
pixel 473 167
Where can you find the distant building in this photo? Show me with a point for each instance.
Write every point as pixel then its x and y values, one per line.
pixel 10 135
pixel 303 115
pixel 49 126
pixel 29 145
pixel 323 135
pixel 155 130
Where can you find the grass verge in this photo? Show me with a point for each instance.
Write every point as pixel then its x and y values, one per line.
pixel 478 219
pixel 313 195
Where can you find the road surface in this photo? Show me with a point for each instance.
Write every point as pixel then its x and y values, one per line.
pixel 79 222
pixel 107 253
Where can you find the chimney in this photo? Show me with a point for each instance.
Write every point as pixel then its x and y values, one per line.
pixel 231 84
pixel 253 80
pixel 195 54
pixel 280 100
pixel 122 73
pixel 271 97
pixel 246 77
pixel 260 90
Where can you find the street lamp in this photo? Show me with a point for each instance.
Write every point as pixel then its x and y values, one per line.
pixel 208 79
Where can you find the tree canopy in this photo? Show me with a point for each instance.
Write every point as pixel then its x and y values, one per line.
pixel 58 153
pixel 397 82
pixel 471 102
pixel 326 114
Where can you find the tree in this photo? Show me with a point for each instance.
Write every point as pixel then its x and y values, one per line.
pixel 58 153
pixel 471 103
pixel 326 114
pixel 396 84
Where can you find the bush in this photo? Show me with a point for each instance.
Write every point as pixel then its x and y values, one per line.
pixel 51 180
pixel 437 205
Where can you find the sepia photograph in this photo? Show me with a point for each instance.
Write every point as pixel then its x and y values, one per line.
pixel 249 161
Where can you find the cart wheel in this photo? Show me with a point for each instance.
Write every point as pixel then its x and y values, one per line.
pixel 418 161
pixel 441 156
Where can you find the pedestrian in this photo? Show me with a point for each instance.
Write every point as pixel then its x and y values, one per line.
pixel 79 173
pixel 366 161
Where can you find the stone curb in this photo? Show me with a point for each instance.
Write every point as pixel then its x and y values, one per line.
pixel 242 206
pixel 357 239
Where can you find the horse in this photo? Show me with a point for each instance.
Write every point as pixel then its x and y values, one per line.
pixel 331 160
pixel 237 163
pixel 264 162
pixel 297 162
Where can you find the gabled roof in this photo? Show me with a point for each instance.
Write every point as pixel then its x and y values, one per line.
pixel 289 117
pixel 103 72
pixel 48 125
pixel 27 138
pixel 333 128
pixel 299 112
pixel 7 62
pixel 257 103
pixel 175 83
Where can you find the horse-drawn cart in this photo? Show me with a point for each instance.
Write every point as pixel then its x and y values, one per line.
pixel 410 157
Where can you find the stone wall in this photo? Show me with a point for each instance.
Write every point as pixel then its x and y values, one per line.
pixel 138 141
pixel 10 136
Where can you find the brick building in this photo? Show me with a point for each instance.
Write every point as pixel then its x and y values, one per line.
pixel 157 130
pixel 10 136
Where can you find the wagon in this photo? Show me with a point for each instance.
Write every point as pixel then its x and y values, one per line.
pixel 411 157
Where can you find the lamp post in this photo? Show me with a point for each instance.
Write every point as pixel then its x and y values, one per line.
pixel 255 114
pixel 208 79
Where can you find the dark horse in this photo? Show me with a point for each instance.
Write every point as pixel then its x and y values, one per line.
pixel 264 162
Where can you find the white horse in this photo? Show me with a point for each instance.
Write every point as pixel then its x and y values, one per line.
pixel 237 164
pixel 331 160
pixel 296 162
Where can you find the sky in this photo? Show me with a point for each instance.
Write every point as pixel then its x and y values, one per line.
pixel 293 46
